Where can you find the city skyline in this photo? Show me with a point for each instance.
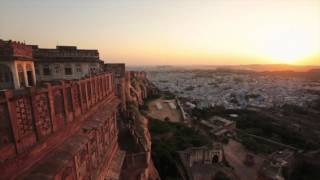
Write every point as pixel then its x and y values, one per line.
pixel 172 32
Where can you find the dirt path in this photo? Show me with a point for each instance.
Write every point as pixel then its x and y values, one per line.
pixel 235 154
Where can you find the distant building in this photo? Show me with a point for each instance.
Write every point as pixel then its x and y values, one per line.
pixel 205 162
pixel 219 127
pixel 278 166
pixel 118 69
pixel 65 62
pixel 119 73
pixel 16 65
pixel 203 155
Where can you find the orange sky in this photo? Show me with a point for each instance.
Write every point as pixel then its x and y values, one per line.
pixel 172 32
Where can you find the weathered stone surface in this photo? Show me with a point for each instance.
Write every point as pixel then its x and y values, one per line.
pixel 68 130
pixel 116 165
pixel 138 165
pixel 51 137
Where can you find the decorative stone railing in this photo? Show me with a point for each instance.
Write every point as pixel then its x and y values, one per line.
pixel 35 119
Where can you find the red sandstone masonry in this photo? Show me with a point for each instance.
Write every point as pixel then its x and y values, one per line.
pixel 37 120
pixel 85 155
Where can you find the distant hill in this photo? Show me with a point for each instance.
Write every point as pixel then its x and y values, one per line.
pixel 269 67
pixel 278 67
pixel 250 67
pixel 311 74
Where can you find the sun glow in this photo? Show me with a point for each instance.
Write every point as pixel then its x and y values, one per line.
pixel 288 53
pixel 205 32
pixel 288 47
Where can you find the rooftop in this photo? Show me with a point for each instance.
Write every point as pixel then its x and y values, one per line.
pixel 65 54
pixel 15 50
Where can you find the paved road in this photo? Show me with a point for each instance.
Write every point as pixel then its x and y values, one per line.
pixel 235 154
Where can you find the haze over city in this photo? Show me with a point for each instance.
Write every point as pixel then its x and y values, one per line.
pixel 145 32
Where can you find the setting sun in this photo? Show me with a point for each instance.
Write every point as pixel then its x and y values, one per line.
pixel 174 32
pixel 288 47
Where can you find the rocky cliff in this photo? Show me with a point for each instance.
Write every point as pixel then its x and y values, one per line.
pixel 138 163
pixel 138 87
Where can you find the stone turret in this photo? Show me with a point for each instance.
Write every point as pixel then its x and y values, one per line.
pixel 16 65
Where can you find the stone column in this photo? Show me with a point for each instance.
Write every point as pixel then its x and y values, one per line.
pixel 15 75
pixel 34 74
pixel 25 74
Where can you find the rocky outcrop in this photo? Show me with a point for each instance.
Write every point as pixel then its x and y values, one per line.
pixel 138 87
pixel 139 128
pixel 133 88
pixel 138 165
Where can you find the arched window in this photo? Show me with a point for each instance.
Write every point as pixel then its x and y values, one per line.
pixel 215 159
